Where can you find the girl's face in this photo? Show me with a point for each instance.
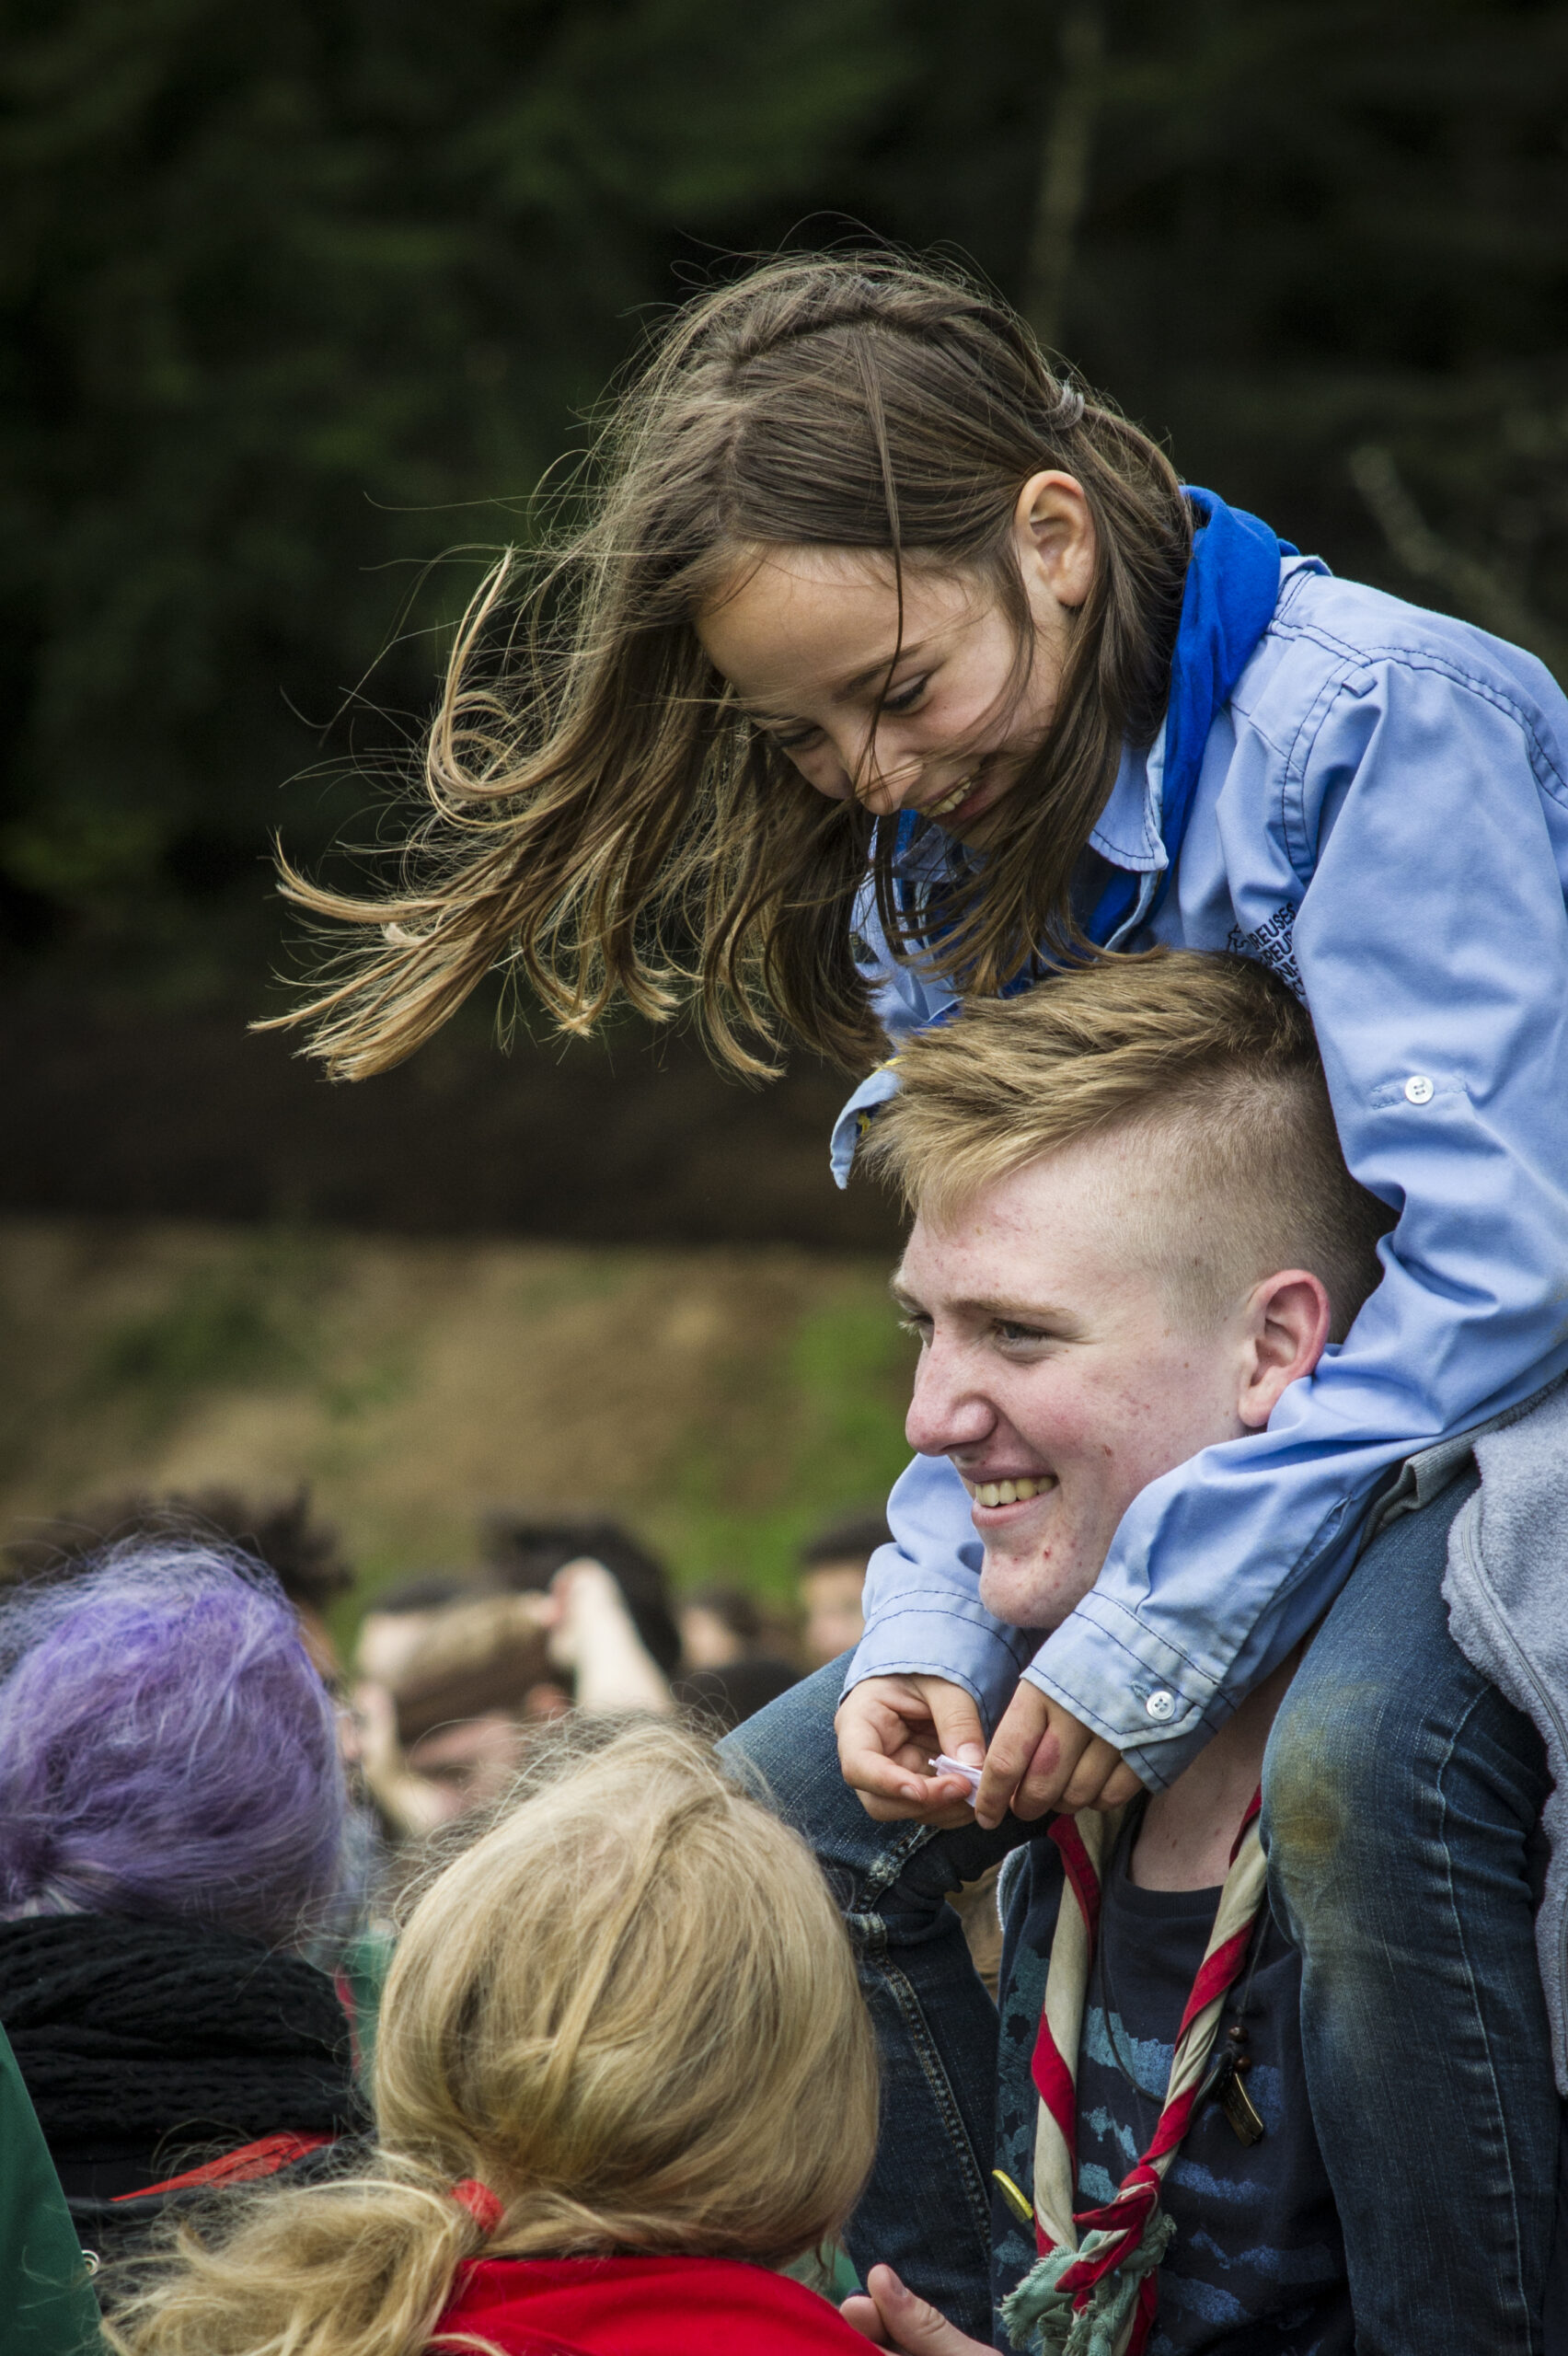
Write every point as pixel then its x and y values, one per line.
pixel 806 636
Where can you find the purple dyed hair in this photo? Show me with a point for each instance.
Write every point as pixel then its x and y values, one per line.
pixel 167 1747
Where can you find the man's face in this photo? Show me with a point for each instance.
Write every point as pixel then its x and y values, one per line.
pixel 1053 1358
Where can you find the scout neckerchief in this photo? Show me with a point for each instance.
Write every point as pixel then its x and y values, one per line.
pixel 1097 2297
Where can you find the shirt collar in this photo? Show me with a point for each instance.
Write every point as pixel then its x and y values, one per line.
pixel 1127 830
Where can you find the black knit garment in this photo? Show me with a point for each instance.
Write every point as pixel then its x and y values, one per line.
pixel 130 2029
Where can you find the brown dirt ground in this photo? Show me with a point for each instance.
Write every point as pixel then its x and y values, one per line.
pixel 722 1400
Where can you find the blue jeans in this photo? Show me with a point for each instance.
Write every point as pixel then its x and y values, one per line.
pixel 1401 1803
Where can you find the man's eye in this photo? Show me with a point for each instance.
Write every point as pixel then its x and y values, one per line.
pixel 1006 1330
pixel 919 1326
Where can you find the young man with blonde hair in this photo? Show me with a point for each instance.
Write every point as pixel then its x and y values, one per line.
pixel 1134 1238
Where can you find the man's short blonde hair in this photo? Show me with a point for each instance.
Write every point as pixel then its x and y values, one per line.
pixel 1210 1057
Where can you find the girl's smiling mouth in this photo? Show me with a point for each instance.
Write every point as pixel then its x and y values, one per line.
pixel 971 797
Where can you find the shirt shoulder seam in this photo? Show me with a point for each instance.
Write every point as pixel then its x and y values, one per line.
pixel 1357 663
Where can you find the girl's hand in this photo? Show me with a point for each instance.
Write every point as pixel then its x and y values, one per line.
pixel 892 2316
pixel 1042 1758
pixel 890 1728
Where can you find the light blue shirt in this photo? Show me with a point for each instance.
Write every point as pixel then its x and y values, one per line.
pixel 1381 817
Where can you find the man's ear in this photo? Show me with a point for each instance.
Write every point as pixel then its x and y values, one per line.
pixel 1056 537
pixel 1288 1321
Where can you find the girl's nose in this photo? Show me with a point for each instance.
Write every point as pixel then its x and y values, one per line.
pixel 883 787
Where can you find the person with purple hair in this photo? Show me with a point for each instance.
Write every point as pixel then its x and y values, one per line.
pixel 173 1835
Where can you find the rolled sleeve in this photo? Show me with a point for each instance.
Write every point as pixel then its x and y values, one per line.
pixel 1432 943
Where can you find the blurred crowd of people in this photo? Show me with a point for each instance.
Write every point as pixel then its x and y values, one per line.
pixel 448 1671
pixel 214 1782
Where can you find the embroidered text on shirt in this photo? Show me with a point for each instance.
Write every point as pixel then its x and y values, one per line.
pixel 1272 944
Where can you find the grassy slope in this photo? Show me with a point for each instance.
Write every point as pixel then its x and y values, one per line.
pixel 723 1403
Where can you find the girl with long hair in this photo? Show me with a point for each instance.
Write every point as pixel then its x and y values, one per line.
pixel 622 2070
pixel 883 664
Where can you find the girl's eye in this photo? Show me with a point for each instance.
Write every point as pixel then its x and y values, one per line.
pixel 790 740
pixel 906 698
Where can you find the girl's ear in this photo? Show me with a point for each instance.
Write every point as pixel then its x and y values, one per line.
pixel 1056 538
pixel 1288 1319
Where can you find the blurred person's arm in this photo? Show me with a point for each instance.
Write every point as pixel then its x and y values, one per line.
pixel 412 1805
pixel 595 1637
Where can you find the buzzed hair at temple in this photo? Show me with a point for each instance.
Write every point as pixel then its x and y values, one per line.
pixel 1211 1056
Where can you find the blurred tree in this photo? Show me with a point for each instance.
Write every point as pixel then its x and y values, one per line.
pixel 1317 243
pixel 285 287
pixel 288 288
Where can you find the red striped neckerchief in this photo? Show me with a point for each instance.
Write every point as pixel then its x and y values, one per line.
pixel 1053 2294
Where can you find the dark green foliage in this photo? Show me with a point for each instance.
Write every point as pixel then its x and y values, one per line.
pixel 300 296
pixel 287 288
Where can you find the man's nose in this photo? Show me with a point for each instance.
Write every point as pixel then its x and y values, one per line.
pixel 945 1412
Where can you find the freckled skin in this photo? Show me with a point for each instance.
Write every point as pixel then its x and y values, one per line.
pixel 1049 1349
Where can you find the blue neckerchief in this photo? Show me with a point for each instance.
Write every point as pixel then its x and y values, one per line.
pixel 1231 590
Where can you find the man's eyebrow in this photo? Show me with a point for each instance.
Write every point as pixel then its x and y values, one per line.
pixel 1020 1313
pixel 1007 1312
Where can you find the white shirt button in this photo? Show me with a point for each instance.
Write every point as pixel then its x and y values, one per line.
pixel 1419 1089
pixel 1161 1704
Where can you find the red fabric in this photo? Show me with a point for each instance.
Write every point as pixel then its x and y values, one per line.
pixel 1144 2315
pixel 1254 1808
pixel 1081 1871
pixel 1216 1974
pixel 1054 2085
pixel 480 2203
pixel 642 2306
pixel 264 2157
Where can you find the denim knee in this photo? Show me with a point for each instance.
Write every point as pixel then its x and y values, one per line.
pixel 1329 1795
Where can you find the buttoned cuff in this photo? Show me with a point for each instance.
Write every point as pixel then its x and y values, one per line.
pixel 1148 1700
pixel 918 1635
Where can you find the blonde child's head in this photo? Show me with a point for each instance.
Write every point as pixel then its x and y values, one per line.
pixel 629 2009
pixel 609 820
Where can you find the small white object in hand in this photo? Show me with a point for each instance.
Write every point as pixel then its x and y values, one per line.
pixel 945 1766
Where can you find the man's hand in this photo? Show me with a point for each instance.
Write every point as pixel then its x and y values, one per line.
pixel 1041 1757
pixel 890 1728
pixel 892 2316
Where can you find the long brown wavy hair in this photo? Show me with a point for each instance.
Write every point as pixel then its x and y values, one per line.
pixel 607 825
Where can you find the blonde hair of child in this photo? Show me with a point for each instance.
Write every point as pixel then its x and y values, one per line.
pixel 605 824
pixel 1211 1059
pixel 629 2009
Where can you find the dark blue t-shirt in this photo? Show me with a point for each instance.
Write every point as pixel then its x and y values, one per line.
pixel 1257 2264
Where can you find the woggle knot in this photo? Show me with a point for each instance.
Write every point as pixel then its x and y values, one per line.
pixel 1044 2314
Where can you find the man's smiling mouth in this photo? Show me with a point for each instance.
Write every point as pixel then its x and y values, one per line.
pixel 1009 1493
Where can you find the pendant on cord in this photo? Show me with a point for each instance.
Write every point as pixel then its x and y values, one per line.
pixel 1226 2087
